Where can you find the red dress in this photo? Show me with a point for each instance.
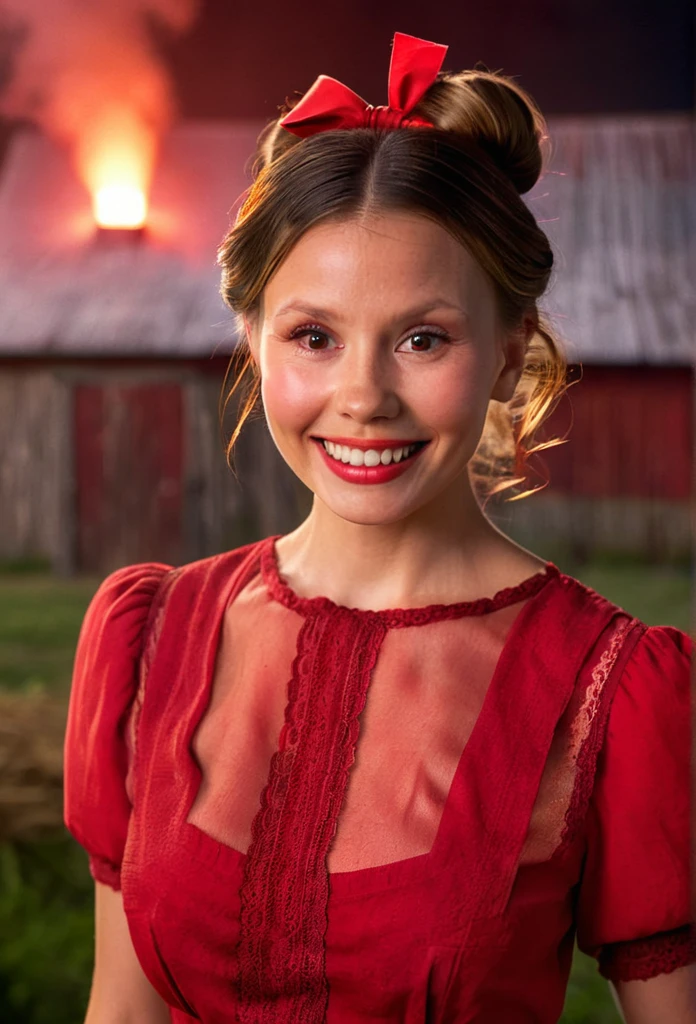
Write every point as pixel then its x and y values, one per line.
pixel 413 828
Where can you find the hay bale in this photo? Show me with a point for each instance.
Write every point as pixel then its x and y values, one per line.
pixel 32 729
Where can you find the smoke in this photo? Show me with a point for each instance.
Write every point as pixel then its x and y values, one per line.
pixel 88 73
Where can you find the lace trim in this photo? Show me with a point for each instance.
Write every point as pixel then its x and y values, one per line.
pixel 285 889
pixel 591 721
pixel 661 953
pixel 394 618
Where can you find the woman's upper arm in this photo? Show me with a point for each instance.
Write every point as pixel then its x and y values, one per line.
pixel 104 685
pixel 666 997
pixel 121 994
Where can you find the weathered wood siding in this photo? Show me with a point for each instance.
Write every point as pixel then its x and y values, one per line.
pixel 129 473
pixel 630 434
pixel 35 465
pixel 624 480
pixel 225 510
pixel 105 465
pixel 546 523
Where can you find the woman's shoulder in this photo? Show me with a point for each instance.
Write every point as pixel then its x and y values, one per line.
pixel 118 611
pixel 654 647
pixel 116 617
pixel 653 691
pixel 627 669
pixel 222 563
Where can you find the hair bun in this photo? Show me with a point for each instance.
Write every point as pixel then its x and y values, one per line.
pixel 500 116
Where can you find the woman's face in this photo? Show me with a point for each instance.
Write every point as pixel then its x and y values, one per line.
pixel 375 335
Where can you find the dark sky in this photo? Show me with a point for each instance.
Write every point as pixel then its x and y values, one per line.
pixel 574 56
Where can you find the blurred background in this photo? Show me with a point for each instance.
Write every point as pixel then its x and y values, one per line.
pixel 125 136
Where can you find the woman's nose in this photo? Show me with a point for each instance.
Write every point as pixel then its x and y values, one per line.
pixel 366 389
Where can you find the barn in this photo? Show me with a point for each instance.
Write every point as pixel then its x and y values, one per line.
pixel 619 206
pixel 114 347
pixel 113 350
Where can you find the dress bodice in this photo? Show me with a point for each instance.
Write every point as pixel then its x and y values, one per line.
pixel 338 815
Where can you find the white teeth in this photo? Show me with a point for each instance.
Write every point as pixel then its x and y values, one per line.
pixel 371 457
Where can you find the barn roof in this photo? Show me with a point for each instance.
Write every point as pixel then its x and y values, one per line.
pixel 618 202
pixel 64 291
pixel 619 206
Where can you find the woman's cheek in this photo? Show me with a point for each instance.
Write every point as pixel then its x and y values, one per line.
pixel 290 401
pixel 452 405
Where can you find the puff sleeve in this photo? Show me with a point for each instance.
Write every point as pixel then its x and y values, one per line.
pixel 104 686
pixel 634 898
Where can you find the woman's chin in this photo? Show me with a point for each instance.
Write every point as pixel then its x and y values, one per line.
pixel 374 509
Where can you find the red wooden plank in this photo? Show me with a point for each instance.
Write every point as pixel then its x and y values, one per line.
pixel 129 473
pixel 631 435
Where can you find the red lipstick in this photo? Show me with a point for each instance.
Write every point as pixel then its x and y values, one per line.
pixel 368 474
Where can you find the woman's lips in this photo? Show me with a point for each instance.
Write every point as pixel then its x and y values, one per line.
pixel 368 474
pixel 365 446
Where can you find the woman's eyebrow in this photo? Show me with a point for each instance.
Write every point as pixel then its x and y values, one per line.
pixel 318 313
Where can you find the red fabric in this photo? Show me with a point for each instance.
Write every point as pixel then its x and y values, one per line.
pixel 452 792
pixel 329 104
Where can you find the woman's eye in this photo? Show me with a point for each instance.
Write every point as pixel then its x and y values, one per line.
pixel 315 340
pixel 424 341
pixel 312 339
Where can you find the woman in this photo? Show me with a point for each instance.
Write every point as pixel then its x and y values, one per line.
pixel 476 757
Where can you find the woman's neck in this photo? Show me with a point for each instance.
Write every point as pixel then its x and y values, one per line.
pixel 447 552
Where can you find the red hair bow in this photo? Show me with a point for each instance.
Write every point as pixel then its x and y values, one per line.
pixel 329 104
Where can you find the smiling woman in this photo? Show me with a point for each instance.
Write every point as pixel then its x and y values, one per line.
pixel 464 176
pixel 365 771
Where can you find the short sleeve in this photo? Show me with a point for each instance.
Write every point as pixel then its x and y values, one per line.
pixel 104 685
pixel 634 907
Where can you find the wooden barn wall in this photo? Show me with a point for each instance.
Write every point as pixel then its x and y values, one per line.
pixel 630 434
pixel 158 463
pixel 107 464
pixel 224 510
pixel 128 437
pixel 35 467
pixel 623 480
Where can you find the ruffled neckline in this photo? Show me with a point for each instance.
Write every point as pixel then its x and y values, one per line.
pixel 280 591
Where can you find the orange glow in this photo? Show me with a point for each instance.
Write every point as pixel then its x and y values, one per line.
pixel 115 154
pixel 120 206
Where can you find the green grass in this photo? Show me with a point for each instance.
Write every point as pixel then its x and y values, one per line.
pixel 588 999
pixel 40 620
pixel 47 929
pixel 45 888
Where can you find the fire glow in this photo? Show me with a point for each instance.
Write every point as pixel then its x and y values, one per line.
pixel 115 158
pixel 90 75
pixel 120 206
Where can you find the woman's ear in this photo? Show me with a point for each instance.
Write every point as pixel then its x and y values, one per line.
pixel 514 351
